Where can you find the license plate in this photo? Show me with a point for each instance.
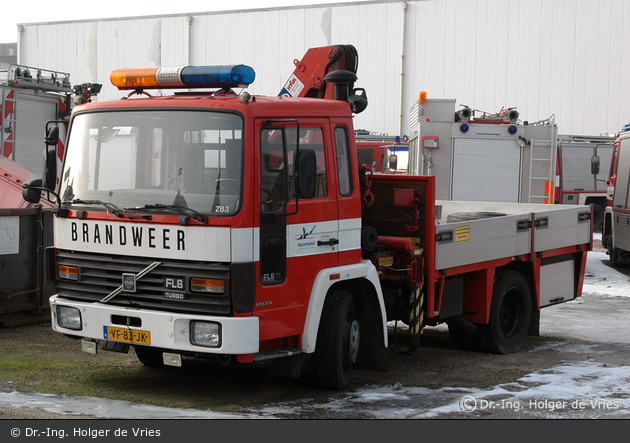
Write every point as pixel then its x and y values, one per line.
pixel 127 335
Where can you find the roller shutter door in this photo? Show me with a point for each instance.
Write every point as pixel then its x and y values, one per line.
pixel 32 114
pixel 486 170
pixel 557 282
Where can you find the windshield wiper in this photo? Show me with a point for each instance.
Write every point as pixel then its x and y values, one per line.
pixel 184 210
pixel 109 206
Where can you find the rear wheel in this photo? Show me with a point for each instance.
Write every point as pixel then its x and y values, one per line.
pixel 149 356
pixel 598 216
pixel 510 315
pixel 338 341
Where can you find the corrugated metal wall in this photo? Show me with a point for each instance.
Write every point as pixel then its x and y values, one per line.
pixel 544 57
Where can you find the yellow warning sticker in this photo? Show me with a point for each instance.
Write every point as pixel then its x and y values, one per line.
pixel 462 233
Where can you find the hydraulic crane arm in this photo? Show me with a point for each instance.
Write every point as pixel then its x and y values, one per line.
pixel 327 72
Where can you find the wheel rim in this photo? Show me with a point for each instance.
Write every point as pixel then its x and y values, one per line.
pixel 354 335
pixel 511 313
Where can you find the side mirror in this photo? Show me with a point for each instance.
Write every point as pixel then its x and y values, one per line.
pixel 52 136
pixel 50 168
pixel 358 100
pixel 32 190
pixel 595 164
pixel 393 162
pixel 307 179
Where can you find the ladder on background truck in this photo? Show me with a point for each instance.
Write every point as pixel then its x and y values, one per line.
pixel 38 79
pixel 542 156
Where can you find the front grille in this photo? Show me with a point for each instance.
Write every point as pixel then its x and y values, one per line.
pixel 100 275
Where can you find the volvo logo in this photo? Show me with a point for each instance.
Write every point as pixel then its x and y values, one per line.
pixel 129 282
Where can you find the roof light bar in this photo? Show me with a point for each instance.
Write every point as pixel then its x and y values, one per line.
pixel 227 76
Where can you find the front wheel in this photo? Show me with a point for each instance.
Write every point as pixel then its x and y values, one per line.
pixel 149 356
pixel 338 341
pixel 510 315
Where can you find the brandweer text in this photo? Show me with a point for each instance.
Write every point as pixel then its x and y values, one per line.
pixel 129 235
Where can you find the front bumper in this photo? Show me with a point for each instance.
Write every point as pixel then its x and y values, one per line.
pixel 168 330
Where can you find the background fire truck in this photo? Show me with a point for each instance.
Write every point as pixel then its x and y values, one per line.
pixel 31 97
pixel 385 153
pixel 616 226
pixel 216 224
pixel 476 156
pixel 581 172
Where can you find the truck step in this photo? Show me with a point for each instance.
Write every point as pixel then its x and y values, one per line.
pixel 275 353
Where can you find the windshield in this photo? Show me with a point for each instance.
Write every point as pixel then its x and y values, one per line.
pixel 131 159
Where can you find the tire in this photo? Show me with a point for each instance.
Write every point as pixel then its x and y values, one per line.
pixel 150 356
pixel 338 341
pixel 598 216
pixel 510 315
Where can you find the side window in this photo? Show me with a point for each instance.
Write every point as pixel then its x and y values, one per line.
pixel 365 155
pixel 344 165
pixel 313 139
pixel 273 187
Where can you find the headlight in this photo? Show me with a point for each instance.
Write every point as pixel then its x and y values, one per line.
pixel 69 318
pixel 205 334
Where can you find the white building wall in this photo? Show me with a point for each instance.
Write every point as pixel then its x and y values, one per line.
pixel 561 58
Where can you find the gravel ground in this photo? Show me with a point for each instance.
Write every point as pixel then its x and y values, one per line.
pixel 242 388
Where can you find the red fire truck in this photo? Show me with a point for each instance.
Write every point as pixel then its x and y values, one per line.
pixel 578 180
pixel 214 224
pixel 30 97
pixel 385 153
pixel 615 229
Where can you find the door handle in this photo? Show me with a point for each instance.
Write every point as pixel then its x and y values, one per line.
pixel 331 242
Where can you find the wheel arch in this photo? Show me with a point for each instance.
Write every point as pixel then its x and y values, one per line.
pixel 362 281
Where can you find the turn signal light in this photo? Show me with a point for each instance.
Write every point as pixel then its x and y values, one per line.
pixel 207 285
pixel 68 272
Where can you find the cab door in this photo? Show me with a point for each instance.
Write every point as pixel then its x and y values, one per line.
pixel 298 233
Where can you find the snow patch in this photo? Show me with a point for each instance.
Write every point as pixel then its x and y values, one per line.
pixel 602 280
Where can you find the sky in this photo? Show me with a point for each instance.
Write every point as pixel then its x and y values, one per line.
pixel 40 11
